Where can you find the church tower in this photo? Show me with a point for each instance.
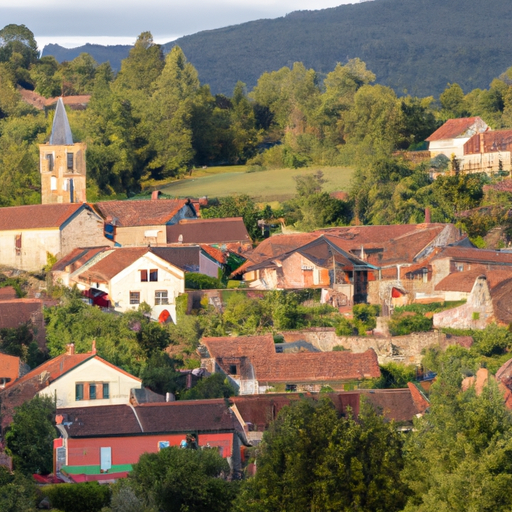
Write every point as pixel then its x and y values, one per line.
pixel 62 163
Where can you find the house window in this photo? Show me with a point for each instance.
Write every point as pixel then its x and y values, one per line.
pixel 134 297
pixel 291 387
pixel 232 369
pixel 106 390
pixel 49 158
pixel 161 298
pixel 92 391
pixel 143 276
pixel 70 161
pixel 53 183
pixel 79 392
pixel 17 245
pixel 459 267
pixel 153 275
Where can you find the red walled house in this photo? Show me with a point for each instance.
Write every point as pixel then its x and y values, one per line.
pixel 102 443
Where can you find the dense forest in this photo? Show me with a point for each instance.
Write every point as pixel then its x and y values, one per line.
pixel 154 121
pixel 413 45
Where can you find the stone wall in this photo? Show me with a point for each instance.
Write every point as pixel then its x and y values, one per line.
pixel 406 349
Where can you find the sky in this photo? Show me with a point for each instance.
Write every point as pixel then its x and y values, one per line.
pixel 76 22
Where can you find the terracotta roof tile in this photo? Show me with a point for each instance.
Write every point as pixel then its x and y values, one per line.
pixel 112 264
pixel 481 256
pixel 140 213
pixel 215 253
pixel 288 367
pixel 208 231
pixel 15 312
pixel 9 368
pixel 40 102
pixel 38 216
pixel 77 258
pixel 183 416
pixel 492 141
pixel 8 293
pixel 453 128
pixel 502 305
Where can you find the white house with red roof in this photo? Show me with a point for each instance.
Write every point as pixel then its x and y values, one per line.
pixel 450 138
pixel 73 380
pixel 130 276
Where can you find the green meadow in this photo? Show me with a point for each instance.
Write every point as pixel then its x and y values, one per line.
pixel 271 185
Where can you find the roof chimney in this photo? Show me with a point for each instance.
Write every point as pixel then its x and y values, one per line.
pixel 155 194
pixel 93 346
pixel 70 349
pixel 427 215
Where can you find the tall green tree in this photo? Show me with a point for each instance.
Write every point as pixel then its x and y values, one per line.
pixel 183 479
pixel 458 457
pixel 170 116
pixel 29 439
pixel 312 460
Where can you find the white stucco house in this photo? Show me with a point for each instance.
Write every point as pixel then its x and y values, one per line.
pixel 131 276
pixel 450 138
pixel 93 381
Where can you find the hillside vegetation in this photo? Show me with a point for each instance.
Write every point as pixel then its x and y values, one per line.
pixel 415 45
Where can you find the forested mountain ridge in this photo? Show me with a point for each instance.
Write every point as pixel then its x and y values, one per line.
pixel 417 45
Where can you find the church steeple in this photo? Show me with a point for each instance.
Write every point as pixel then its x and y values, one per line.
pixel 61 131
pixel 62 163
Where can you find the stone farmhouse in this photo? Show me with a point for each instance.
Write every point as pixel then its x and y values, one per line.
pixel 254 366
pixel 29 234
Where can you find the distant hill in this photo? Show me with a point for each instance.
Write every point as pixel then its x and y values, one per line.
pixel 115 54
pixel 417 45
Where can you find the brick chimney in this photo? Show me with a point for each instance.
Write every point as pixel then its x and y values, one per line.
pixel 93 347
pixel 155 194
pixel 427 215
pixel 70 349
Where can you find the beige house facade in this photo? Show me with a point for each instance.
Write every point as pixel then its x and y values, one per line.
pixel 94 382
pixel 29 234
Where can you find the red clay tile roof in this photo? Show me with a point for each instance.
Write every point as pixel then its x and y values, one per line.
pixel 208 231
pixel 37 216
pixel 182 416
pixel 215 253
pixel 111 265
pixel 9 368
pixel 299 367
pixel 491 141
pixel 8 293
pixel 481 256
pixel 77 258
pixel 19 311
pixel 140 213
pixel 40 102
pixel 502 305
pixel 459 281
pixel 400 405
pixel 453 128
pixel 501 186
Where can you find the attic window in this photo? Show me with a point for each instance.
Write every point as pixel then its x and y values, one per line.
pixel 70 161
pixel 232 369
pixel 153 274
pixel 143 276
pixel 106 390
pixel 79 392
pixel 291 388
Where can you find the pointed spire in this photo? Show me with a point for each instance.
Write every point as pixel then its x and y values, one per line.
pixel 61 131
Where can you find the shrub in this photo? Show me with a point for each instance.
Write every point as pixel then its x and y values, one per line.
pixel 401 324
pixel 197 281
pixel 86 497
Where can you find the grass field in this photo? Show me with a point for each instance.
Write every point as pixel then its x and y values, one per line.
pixel 273 185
